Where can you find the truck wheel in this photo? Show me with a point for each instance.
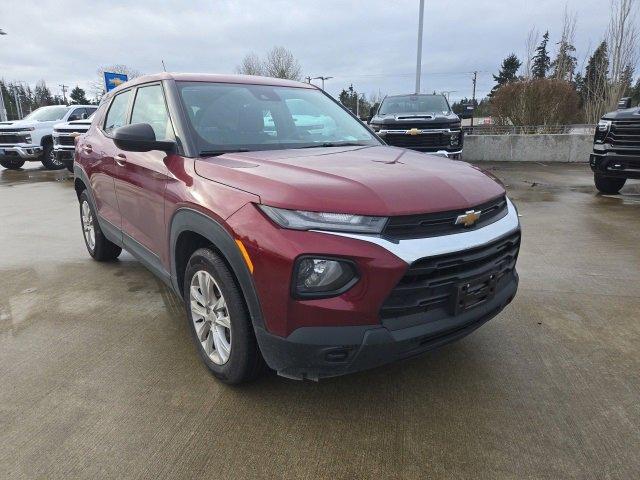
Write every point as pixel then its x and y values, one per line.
pixel 12 164
pixel 68 164
pixel 609 185
pixel 97 244
pixel 48 158
pixel 218 319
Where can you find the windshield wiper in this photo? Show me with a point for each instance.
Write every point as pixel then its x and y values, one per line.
pixel 215 153
pixel 337 144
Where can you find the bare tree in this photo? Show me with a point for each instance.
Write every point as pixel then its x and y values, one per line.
pixel 97 86
pixel 280 63
pixel 565 63
pixel 623 40
pixel 530 47
pixel 250 65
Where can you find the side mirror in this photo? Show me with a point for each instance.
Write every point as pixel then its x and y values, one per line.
pixel 625 102
pixel 84 116
pixel 140 137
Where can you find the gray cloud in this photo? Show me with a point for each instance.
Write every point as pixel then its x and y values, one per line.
pixel 371 44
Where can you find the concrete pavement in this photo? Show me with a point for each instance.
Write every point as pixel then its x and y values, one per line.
pixel 99 379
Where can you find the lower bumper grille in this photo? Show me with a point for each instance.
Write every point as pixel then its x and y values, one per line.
pixel 429 289
pixel 435 140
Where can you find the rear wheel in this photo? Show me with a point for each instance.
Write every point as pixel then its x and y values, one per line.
pixel 49 159
pixel 218 319
pixel 12 164
pixel 98 246
pixel 609 185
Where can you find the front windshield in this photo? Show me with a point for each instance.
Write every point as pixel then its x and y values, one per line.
pixel 48 114
pixel 245 117
pixel 414 104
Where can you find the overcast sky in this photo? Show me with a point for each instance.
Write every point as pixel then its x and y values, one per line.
pixel 371 43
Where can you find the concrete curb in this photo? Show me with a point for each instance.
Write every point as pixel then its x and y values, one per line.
pixel 528 148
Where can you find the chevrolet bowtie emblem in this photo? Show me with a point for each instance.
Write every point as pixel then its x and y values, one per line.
pixel 413 131
pixel 469 218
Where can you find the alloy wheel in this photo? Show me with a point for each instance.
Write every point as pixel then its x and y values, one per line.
pixel 87 226
pixel 210 317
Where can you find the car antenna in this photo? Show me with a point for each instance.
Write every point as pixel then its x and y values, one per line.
pixel 163 67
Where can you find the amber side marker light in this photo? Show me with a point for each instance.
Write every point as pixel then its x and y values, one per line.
pixel 245 255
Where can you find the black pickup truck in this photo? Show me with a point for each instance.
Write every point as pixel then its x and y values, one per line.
pixel 420 122
pixel 616 148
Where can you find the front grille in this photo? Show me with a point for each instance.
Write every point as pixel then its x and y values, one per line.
pixel 418 125
pixel 434 140
pixel 11 139
pixel 443 223
pixel 624 135
pixel 68 141
pixel 430 284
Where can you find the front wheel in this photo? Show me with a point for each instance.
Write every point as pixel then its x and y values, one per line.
pixel 218 319
pixel 609 185
pixel 98 246
pixel 49 159
pixel 12 164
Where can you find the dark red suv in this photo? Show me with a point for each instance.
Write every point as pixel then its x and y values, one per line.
pixel 292 232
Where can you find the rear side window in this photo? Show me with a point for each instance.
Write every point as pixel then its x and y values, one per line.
pixel 149 107
pixel 117 114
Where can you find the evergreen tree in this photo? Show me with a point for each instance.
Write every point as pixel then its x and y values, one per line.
pixel 42 95
pixel 77 96
pixel 635 93
pixel 541 60
pixel 508 72
pixel 595 76
pixel 564 65
pixel 626 81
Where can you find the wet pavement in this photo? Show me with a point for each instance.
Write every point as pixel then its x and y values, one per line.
pixel 99 379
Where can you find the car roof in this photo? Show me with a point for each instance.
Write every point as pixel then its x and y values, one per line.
pixel 416 95
pixel 211 77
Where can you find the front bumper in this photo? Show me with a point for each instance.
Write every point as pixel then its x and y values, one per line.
pixel 22 152
pixel 317 352
pixel 611 164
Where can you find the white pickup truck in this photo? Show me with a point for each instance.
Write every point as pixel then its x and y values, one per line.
pixel 31 139
pixel 64 140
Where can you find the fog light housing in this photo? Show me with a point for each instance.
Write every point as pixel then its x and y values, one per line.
pixel 322 277
pixel 455 138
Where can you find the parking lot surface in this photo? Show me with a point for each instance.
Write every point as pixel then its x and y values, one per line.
pixel 99 379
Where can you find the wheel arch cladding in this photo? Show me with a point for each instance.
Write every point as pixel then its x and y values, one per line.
pixel 190 226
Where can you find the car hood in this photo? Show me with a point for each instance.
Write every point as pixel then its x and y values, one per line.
pixel 377 180
pixel 626 114
pixel 26 123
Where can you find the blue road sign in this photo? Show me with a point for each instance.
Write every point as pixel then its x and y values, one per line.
pixel 112 80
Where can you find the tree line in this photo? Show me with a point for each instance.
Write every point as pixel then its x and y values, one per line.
pixel 545 90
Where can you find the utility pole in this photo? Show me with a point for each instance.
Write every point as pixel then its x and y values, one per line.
pixel 64 92
pixel 322 79
pixel 419 60
pixel 308 79
pixel 18 104
pixel 473 96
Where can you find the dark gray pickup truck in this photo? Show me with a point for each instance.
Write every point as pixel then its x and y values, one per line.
pixel 419 122
pixel 616 148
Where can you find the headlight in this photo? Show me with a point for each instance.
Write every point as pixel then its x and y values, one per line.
pixel 322 277
pixel 603 125
pixel 375 127
pixel 337 222
pixel 602 130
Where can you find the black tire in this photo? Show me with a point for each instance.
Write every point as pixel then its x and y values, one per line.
pixel 244 362
pixel 69 165
pixel 12 164
pixel 103 250
pixel 609 185
pixel 48 158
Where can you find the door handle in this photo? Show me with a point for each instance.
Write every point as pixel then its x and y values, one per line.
pixel 121 159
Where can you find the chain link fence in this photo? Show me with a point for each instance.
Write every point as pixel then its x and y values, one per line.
pixel 529 129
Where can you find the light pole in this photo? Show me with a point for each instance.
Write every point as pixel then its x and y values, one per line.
pixel 419 59
pixel 3 110
pixel 323 79
pixel 64 92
